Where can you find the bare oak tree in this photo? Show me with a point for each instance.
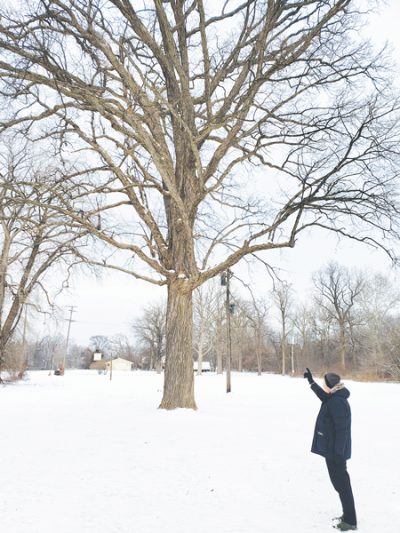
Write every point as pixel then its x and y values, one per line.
pixel 176 106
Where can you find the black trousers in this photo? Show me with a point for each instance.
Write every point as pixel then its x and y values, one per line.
pixel 341 481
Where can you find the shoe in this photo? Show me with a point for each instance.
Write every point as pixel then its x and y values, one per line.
pixel 343 526
pixel 337 518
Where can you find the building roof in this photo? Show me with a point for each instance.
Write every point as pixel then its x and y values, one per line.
pixel 98 365
pixel 121 359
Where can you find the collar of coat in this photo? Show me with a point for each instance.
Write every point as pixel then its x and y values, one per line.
pixel 337 387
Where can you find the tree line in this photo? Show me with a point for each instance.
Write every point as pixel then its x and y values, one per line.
pixel 349 323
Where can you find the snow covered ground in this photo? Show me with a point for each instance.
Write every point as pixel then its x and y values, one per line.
pixel 83 454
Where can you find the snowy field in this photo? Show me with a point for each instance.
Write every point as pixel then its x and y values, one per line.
pixel 83 454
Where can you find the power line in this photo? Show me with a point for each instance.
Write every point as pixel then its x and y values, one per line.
pixel 102 313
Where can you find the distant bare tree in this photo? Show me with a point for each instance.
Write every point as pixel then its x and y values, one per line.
pixel 173 105
pixel 303 322
pixel 378 300
pixel 149 328
pixel 240 330
pixel 100 343
pixel 121 346
pixel 257 312
pixel 49 351
pixel 79 356
pixel 337 291
pixel 390 363
pixel 324 332
pixel 283 298
pixel 207 301
pixel 218 336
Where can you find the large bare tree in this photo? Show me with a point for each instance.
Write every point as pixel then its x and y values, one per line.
pixel 219 130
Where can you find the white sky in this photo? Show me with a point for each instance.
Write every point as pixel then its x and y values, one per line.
pixel 108 307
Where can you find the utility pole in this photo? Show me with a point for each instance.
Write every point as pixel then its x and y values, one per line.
pixel 229 343
pixel 69 329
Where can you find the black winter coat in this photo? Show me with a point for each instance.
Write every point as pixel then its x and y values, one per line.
pixel 333 427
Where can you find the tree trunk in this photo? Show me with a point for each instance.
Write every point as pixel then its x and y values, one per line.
pixel 219 362
pixel 2 357
pixel 283 348
pixel 240 359
pixel 178 375
pixel 342 349
pixel 259 354
pixel 200 357
pixel 259 367
pixel 151 358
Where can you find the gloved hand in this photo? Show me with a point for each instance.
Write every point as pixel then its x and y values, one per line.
pixel 308 376
pixel 339 458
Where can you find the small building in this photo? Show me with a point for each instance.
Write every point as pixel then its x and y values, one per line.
pixel 205 366
pixel 117 364
pixel 120 364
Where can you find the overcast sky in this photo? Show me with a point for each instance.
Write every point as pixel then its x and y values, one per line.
pixel 107 307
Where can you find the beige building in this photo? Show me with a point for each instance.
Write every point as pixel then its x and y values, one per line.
pixel 117 364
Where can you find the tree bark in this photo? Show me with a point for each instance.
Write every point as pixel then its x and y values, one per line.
pixel 219 362
pixel 259 354
pixel 151 359
pixel 179 375
pixel 259 367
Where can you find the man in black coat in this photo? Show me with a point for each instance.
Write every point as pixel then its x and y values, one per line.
pixel 332 440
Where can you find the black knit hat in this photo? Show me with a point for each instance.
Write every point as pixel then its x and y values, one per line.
pixel 331 379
